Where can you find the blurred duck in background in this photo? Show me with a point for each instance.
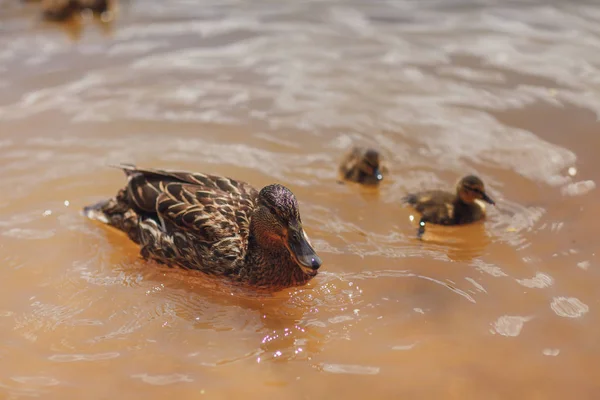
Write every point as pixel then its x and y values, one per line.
pixel 62 10
pixel 59 10
pixel 362 165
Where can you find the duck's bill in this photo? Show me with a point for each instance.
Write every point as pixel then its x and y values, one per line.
pixel 377 174
pixel 303 252
pixel 487 199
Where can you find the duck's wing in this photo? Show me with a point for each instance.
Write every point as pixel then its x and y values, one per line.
pixel 218 220
pixel 145 185
pixel 216 210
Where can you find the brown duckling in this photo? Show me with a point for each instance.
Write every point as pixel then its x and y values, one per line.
pixel 444 208
pixel 59 10
pixel 216 225
pixel 362 165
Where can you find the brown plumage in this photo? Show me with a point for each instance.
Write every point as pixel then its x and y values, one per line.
pixel 213 224
pixel 362 165
pixel 443 208
pixel 59 10
pixel 96 6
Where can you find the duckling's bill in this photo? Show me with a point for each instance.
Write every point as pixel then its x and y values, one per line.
pixel 377 174
pixel 487 199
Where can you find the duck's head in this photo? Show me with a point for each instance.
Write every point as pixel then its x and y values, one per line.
pixel 471 188
pixel 367 162
pixel 371 164
pixel 277 220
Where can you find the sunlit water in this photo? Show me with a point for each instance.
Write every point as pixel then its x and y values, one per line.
pixel 274 91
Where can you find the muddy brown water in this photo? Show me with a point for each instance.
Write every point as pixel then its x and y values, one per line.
pixel 276 92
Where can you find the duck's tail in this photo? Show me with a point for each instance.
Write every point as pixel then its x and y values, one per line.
pixel 127 168
pixel 410 199
pixel 117 213
pixel 95 211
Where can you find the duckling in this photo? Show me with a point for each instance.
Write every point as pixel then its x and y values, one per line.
pixel 216 225
pixel 362 165
pixel 443 208
pixel 59 10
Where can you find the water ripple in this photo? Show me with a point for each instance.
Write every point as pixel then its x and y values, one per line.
pixel 161 380
pixel 276 92
pixel 61 358
pixel 569 307
pixel 349 369
pixel 510 325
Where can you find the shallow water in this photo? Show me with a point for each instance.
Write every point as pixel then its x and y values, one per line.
pixel 275 92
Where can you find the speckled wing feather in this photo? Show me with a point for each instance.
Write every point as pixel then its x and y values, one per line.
pixel 218 219
pixel 146 184
pixel 215 210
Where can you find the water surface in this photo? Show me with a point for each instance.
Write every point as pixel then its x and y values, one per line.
pixel 266 92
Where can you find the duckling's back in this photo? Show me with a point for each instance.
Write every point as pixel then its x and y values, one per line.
pixel 443 208
pixel 435 206
pixel 430 199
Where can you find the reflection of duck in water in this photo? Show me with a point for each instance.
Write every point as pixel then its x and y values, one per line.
pixel 363 166
pixel 213 224
pixel 443 208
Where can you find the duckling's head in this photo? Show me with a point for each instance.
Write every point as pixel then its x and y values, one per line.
pixel 371 163
pixel 277 222
pixel 363 166
pixel 471 188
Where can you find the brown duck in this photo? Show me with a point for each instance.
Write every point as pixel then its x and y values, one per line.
pixel 96 6
pixel 362 165
pixel 59 10
pixel 62 10
pixel 216 225
pixel 444 208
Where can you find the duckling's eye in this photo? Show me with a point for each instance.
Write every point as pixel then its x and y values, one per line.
pixel 472 189
pixel 372 164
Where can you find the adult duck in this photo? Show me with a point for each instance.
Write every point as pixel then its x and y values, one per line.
pixel 213 224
